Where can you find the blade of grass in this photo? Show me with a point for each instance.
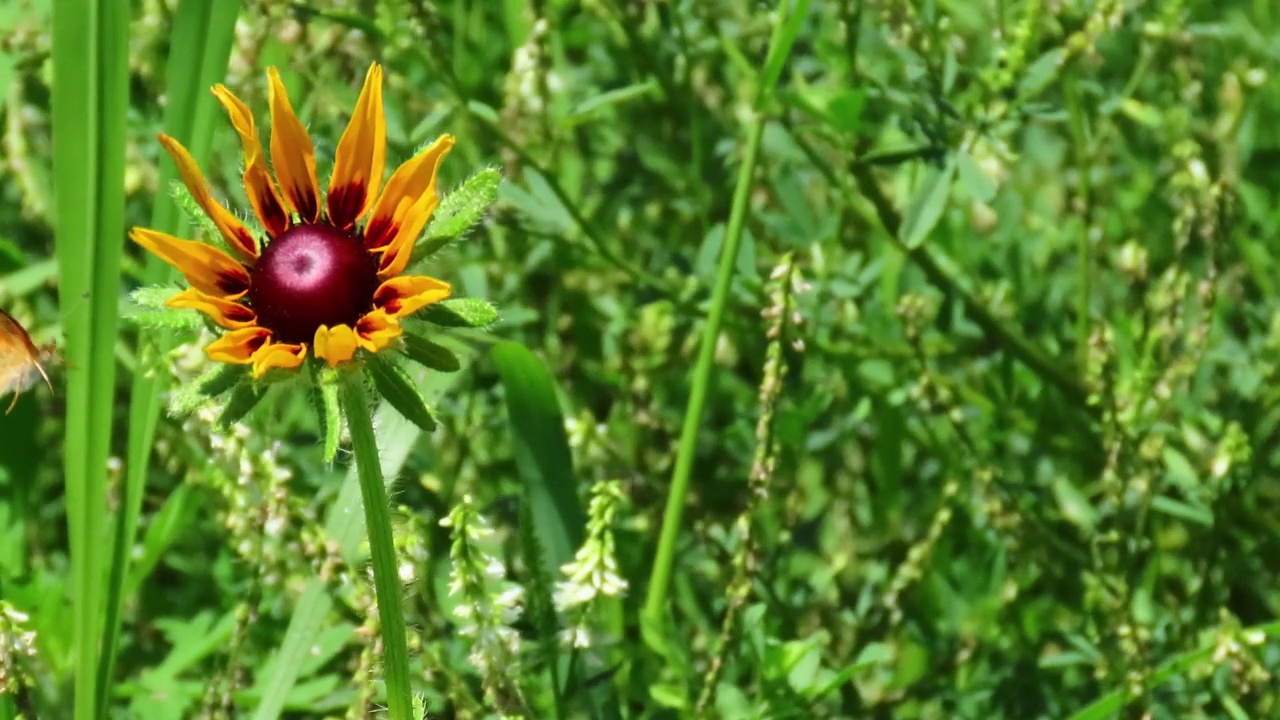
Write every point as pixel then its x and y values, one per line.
pixel 304 626
pixel 89 106
pixel 541 453
pixel 377 513
pixel 545 466
pixel 785 30
pixel 199 49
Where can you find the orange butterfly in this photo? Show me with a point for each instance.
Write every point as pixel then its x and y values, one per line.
pixel 19 359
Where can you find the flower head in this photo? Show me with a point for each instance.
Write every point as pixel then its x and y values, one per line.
pixel 324 275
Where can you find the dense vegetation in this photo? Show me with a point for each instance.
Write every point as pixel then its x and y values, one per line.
pixel 985 426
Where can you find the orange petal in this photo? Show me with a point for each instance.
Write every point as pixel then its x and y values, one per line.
pixel 335 345
pixel 234 231
pixel 257 180
pixel 406 295
pixel 360 159
pixel 277 355
pixel 205 267
pixel 230 315
pixel 396 256
pixel 238 346
pixel 292 154
pixel 409 190
pixel 376 329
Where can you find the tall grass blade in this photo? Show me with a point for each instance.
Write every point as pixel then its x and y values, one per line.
pixel 89 106
pixel 199 48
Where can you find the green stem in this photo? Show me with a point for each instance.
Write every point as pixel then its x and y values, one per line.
pixel 1084 249
pixel 661 574
pixel 377 516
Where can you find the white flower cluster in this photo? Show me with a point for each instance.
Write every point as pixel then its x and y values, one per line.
pixel 593 572
pixel 487 603
pixel 15 642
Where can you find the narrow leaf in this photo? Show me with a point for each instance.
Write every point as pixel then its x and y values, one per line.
pixel 324 398
pixel 244 398
pixel 305 625
pixel 461 312
pixel 927 205
pixel 459 211
pixel 429 354
pixel 541 452
pixel 394 385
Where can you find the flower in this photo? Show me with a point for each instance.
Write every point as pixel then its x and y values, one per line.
pixel 318 279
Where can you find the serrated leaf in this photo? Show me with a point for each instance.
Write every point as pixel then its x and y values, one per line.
pixel 191 209
pixel 459 211
pixel 324 398
pixel 244 398
pixel 461 312
pixel 153 296
pixel 927 205
pixel 394 385
pixel 215 381
pixel 430 355
pixel 167 319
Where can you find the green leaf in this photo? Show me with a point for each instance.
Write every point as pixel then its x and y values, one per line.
pixel 244 398
pixel 784 36
pixel 166 319
pixel 394 385
pixel 153 297
pixel 429 354
pixel 459 211
pixel 587 108
pixel 324 397
pixel 215 381
pixel 974 180
pixel 308 618
pixel 541 452
pixel 927 205
pixel 460 313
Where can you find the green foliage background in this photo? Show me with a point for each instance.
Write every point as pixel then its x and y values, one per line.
pixel 1022 463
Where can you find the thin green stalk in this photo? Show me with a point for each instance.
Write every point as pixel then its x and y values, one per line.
pixel 660 576
pixel 1084 247
pixel 90 104
pixel 202 36
pixel 785 30
pixel 377 517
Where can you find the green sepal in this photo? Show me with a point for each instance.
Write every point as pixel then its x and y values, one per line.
pixel 191 209
pixel 324 396
pixel 393 384
pixel 244 398
pixel 461 313
pixel 459 211
pixel 429 354
pixel 153 297
pixel 186 397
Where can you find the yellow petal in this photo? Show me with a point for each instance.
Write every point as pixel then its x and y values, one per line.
pixel 406 295
pixel 257 179
pixel 335 345
pixel 230 315
pixel 277 355
pixel 233 231
pixel 292 154
pixel 205 267
pixel 376 330
pixel 411 188
pixel 238 346
pixel 396 256
pixel 360 159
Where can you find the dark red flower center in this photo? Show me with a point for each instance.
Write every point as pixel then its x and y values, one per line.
pixel 312 275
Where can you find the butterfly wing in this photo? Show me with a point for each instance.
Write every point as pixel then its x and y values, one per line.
pixel 19 359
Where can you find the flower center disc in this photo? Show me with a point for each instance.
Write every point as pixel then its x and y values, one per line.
pixel 312 275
